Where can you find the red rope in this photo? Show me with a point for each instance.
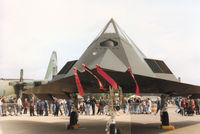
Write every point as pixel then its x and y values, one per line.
pixel 86 69
pixel 106 77
pixel 78 83
pixel 137 87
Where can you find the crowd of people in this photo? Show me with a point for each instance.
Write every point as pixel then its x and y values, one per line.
pixel 139 106
pixel 187 106
pixel 88 106
pixel 12 106
pixel 92 106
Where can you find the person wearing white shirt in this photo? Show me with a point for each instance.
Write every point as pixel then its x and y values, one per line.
pixel 19 105
pixel 149 105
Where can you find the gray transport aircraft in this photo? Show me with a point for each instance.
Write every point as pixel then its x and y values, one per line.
pixel 119 57
pixel 14 87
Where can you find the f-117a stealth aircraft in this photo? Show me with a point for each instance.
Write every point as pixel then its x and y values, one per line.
pixel 120 63
pixel 115 52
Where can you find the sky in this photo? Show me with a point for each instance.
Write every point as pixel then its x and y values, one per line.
pixel 30 30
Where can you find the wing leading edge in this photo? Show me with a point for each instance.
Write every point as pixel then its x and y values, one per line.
pixel 123 79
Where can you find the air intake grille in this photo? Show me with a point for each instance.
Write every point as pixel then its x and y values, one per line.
pixel 158 66
pixel 67 67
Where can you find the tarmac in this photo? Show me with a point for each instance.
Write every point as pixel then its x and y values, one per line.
pixel 128 124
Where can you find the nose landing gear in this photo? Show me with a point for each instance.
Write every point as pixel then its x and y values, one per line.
pixel 110 125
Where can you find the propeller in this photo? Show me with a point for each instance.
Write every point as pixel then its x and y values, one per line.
pixel 19 85
pixel 21 75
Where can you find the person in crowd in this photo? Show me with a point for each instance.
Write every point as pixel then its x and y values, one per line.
pixel 69 106
pixel 137 106
pixel 65 107
pixel 4 106
pixel 143 107
pixel 131 105
pixel 82 106
pixel 42 108
pixel 11 107
pixel 177 105
pixel 19 105
pixel 1 103
pixel 149 105
pixel 25 105
pixel 46 108
pixel 183 107
pixel 87 102
pixel 102 105
pixel 187 106
pixel 32 107
pixel 99 108
pixel 124 105
pixel 53 107
pixel 57 104
pixel 192 103
pixel 197 106
pixel 189 103
pixel 61 106
pixel 106 107
pixel 38 107
pixel 15 106
pixel 93 103
pixel 158 102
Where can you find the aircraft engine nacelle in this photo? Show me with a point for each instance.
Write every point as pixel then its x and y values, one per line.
pixel 37 83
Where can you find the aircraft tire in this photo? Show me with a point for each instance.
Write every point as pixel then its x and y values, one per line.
pixel 112 128
pixel 117 108
pixel 118 131
pixel 165 119
pixel 73 118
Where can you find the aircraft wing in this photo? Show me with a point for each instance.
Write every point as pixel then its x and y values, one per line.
pixel 64 86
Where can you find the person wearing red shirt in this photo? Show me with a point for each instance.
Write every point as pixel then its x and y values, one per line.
pixel 25 106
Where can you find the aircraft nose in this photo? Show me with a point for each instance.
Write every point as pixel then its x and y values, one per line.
pixel 1 91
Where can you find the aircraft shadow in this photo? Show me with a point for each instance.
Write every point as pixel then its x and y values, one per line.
pixel 154 128
pixel 86 127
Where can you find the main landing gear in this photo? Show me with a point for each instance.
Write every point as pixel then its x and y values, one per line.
pixel 164 114
pixel 73 123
